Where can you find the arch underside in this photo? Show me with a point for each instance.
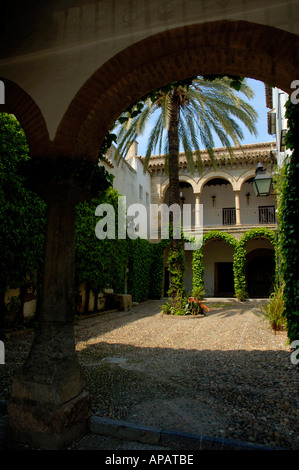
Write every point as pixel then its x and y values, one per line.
pixel 222 47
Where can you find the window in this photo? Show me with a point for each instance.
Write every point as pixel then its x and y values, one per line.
pixel 229 216
pixel 140 192
pixel 267 214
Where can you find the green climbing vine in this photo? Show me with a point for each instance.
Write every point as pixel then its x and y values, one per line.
pixel 288 217
pixel 145 269
pixel 197 260
pixel 239 259
pixel 176 268
pixel 110 263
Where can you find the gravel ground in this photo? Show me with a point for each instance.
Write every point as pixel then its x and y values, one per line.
pixel 223 375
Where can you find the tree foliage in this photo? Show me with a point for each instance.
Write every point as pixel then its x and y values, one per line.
pixel 239 257
pixel 207 105
pixel 22 214
pixel 100 263
pixel 288 215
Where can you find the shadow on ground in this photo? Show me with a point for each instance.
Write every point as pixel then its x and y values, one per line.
pixel 245 395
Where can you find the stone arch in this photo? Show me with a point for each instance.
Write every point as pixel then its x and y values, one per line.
pixel 240 257
pixel 182 178
pixel 21 104
pixel 233 47
pixel 215 175
pixel 215 234
pixel 197 261
pixel 243 178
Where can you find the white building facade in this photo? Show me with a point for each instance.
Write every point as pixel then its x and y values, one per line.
pixel 277 123
pixel 229 204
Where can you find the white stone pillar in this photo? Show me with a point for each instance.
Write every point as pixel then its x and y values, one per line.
pixel 197 210
pixel 237 206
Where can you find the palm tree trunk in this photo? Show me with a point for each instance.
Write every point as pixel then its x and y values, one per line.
pixel 175 268
pixel 173 144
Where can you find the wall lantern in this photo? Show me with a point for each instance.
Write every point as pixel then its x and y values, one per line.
pixel 213 200
pixel 262 182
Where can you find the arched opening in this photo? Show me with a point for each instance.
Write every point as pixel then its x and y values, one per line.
pixel 19 103
pixel 187 200
pixel 260 268
pixel 218 202
pixel 256 210
pixel 218 268
pixel 232 47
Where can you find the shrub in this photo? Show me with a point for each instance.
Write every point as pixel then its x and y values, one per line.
pixel 198 292
pixel 273 311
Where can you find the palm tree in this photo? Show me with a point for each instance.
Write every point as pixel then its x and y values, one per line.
pixel 189 114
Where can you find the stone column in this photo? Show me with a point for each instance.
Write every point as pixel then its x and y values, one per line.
pixel 48 407
pixel 197 211
pixel 237 206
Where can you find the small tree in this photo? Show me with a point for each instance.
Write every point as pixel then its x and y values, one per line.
pixel 100 263
pixel 22 217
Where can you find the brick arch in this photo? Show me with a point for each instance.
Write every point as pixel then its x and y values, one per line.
pixel 19 103
pixel 234 47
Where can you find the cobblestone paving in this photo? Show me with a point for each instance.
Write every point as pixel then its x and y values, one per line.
pixel 225 375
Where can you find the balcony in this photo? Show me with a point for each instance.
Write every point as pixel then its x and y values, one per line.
pixel 262 215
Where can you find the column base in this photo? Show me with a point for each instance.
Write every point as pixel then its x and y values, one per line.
pixel 48 408
pixel 44 427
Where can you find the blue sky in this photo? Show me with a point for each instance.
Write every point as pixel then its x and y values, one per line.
pixel 258 102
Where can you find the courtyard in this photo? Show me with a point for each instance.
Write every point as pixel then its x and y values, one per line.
pixel 223 375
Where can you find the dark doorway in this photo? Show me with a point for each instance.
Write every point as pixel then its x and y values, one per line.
pixel 224 279
pixel 260 275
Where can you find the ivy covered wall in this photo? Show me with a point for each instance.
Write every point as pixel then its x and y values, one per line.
pixel 145 269
pixel 135 266
pixel 288 217
pixel 239 260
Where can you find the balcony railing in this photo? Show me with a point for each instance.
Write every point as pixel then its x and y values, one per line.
pixel 267 215
pixel 249 216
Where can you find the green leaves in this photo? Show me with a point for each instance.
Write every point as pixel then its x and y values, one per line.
pixel 22 213
pixel 91 177
pixel 109 263
pixel 208 106
pixel 288 215
pixel 239 257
